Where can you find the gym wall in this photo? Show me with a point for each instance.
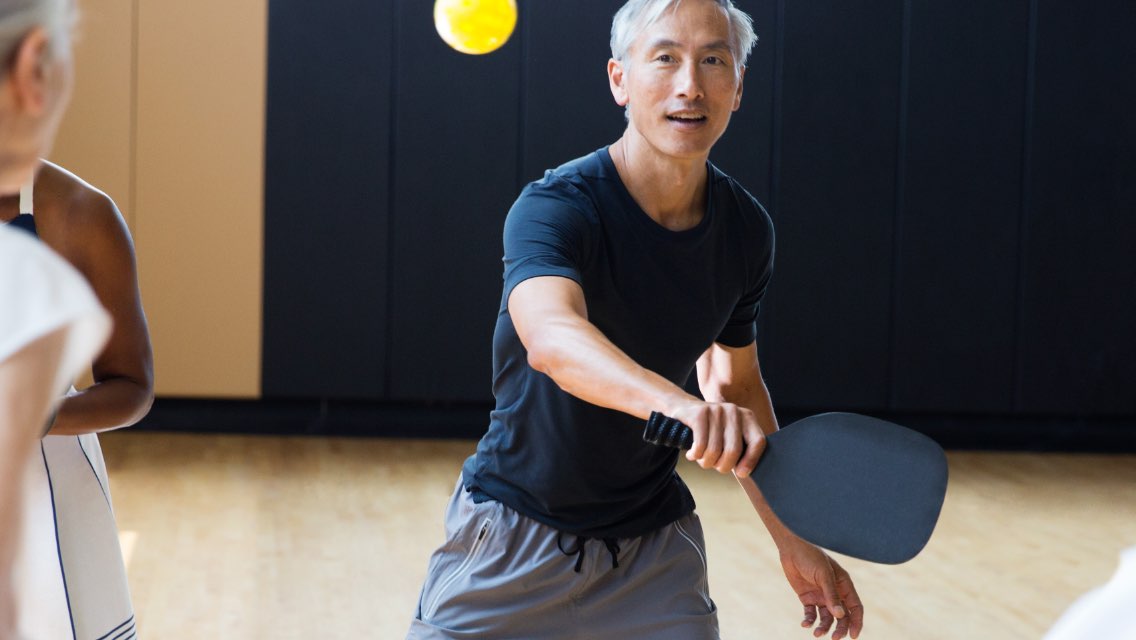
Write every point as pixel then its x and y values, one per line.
pixel 167 118
pixel 954 191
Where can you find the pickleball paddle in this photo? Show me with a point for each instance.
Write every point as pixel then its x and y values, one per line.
pixel 852 484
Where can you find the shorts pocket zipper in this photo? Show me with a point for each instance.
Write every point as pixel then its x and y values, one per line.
pixel 462 568
pixel 701 555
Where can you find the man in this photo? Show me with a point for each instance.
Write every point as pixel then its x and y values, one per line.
pixel 624 270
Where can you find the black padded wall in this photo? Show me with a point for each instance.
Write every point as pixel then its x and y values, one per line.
pixel 958 206
pixel 835 203
pixel 326 198
pixel 566 107
pixel 455 175
pixel 1077 330
pixel 953 187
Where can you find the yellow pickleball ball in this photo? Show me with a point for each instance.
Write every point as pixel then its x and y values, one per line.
pixel 475 26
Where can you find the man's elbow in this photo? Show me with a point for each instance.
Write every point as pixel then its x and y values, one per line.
pixel 541 356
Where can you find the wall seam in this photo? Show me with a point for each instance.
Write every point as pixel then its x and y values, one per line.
pixel 522 78
pixel 1017 391
pixel 900 201
pixel 768 344
pixel 132 143
pixel 392 163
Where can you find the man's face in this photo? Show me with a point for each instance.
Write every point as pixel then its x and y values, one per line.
pixel 680 80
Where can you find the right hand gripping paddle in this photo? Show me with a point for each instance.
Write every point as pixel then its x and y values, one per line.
pixel 852 484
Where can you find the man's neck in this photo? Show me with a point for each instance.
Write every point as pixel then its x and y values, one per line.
pixel 671 191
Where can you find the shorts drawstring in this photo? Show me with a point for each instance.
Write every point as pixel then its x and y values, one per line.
pixel 579 550
pixel 613 549
pixel 611 543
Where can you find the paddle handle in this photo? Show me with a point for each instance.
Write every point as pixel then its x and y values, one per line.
pixel 667 432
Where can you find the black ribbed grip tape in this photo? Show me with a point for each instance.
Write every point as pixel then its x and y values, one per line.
pixel 667 432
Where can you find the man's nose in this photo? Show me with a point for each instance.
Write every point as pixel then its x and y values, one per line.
pixel 688 83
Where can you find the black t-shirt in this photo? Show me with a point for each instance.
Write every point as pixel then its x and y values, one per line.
pixel 661 296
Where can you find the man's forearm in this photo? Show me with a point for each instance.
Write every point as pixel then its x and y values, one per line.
pixel 734 375
pixel 583 362
pixel 750 392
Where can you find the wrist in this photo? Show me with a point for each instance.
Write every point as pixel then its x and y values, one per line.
pixel 675 404
pixel 50 422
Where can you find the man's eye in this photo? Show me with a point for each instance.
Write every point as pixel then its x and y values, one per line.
pixel 715 60
pixel 664 58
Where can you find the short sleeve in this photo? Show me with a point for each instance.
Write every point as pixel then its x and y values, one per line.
pixel 39 294
pixel 546 234
pixel 741 328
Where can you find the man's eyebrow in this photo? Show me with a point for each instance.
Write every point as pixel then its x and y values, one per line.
pixel 666 43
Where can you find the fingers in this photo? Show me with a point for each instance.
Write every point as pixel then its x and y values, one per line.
pixel 754 447
pixel 700 425
pixel 823 618
pixel 825 622
pixel 810 616
pixel 832 610
pixel 724 446
pixel 827 584
pixel 825 589
pixel 716 432
pixel 842 603
pixel 841 629
pixel 725 435
pixel 854 620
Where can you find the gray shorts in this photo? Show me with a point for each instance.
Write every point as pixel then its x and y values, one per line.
pixel 502 575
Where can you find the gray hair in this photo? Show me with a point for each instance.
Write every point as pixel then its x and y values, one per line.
pixel 18 17
pixel 637 15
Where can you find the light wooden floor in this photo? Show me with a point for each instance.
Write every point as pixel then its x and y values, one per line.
pixel 264 537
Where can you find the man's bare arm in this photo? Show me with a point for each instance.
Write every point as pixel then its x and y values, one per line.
pixel 727 374
pixel 551 318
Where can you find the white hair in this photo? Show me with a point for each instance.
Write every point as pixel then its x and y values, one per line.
pixel 18 17
pixel 637 15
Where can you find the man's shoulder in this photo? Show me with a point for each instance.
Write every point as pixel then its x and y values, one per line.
pixel 730 194
pixel 724 184
pixel 576 185
pixel 576 178
pixel 587 167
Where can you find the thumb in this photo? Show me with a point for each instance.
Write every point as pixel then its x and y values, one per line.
pixel 828 588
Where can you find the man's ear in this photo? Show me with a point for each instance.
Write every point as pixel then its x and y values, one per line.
pixel 27 73
pixel 615 79
pixel 741 82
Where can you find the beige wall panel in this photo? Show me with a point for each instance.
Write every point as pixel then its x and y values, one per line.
pixel 199 191
pixel 96 137
pixel 95 140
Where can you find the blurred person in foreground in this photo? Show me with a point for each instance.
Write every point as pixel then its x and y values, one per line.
pixel 51 324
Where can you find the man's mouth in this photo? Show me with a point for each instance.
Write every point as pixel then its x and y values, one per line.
pixel 686 117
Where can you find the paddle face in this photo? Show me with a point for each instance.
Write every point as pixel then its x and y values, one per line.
pixel 853 484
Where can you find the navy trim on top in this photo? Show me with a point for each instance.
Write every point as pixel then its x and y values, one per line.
pixel 120 630
pixel 106 494
pixel 58 548
pixel 25 221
